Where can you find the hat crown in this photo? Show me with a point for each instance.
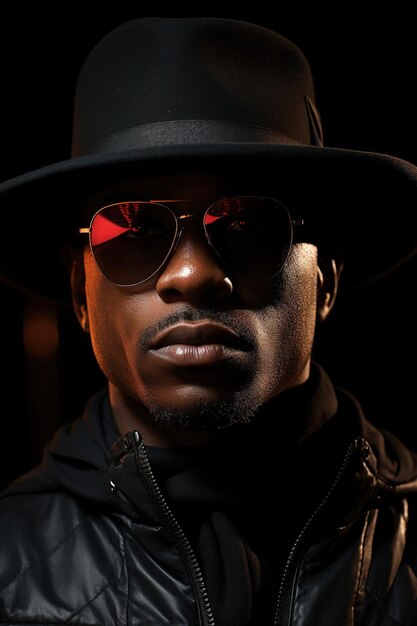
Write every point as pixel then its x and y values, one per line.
pixel 152 81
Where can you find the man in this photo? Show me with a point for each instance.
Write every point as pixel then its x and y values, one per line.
pixel 220 478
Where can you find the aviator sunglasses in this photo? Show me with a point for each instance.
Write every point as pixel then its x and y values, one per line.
pixel 131 241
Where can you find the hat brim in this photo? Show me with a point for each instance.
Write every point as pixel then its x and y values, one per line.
pixel 363 201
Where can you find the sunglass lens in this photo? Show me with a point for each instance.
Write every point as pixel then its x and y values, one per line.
pixel 131 240
pixel 252 235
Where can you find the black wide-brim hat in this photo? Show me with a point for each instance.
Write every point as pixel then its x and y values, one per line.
pixel 165 96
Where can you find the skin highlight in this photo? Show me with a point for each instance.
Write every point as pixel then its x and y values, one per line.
pixel 275 320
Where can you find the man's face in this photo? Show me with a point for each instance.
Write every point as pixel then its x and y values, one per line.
pixel 196 344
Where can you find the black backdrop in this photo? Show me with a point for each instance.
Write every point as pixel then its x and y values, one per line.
pixel 364 66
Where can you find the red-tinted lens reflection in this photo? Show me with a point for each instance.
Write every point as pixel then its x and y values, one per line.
pixel 131 240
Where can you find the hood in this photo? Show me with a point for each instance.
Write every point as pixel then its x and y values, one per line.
pixel 78 457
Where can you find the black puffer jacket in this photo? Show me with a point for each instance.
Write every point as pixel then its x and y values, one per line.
pixel 90 537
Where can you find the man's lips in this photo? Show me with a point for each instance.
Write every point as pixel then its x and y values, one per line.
pixel 202 343
pixel 197 334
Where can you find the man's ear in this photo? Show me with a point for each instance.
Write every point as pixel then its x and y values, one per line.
pixel 73 258
pixel 328 275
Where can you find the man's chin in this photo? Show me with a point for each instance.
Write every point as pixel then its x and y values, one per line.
pixel 206 415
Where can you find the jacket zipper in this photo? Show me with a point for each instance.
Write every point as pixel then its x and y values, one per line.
pixel 292 564
pixel 206 617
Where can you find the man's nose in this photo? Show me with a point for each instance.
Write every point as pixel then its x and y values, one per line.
pixel 194 273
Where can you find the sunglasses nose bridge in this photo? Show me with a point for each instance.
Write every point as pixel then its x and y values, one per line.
pixel 186 216
pixel 181 224
pixel 180 227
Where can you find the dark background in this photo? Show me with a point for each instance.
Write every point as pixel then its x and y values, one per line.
pixel 364 67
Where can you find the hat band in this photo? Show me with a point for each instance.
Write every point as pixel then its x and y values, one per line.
pixel 175 132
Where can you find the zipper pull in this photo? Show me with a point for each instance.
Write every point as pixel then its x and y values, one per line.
pixel 125 444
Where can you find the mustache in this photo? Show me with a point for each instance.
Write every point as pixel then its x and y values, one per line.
pixel 196 315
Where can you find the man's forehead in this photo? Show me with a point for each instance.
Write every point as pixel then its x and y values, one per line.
pixel 166 186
